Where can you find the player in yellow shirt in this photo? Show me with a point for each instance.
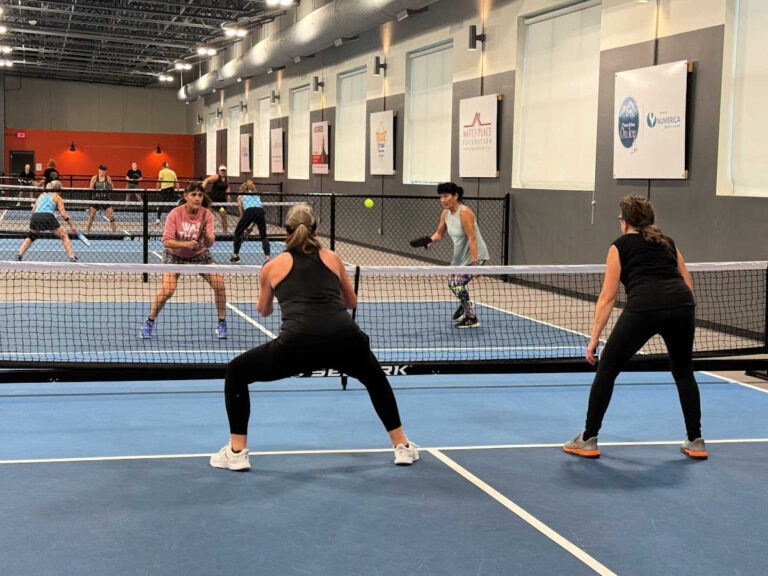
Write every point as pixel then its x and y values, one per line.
pixel 167 183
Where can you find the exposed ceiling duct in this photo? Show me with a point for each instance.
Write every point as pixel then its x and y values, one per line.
pixel 315 32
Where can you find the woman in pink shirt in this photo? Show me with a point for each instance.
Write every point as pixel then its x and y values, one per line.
pixel 187 236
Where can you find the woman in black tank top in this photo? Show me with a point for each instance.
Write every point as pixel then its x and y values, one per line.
pixel 317 332
pixel 659 301
pixel 219 194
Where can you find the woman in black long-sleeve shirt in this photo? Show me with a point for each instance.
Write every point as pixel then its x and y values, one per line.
pixel 659 301
pixel 314 292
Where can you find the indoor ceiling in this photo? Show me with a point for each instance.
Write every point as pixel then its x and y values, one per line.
pixel 127 42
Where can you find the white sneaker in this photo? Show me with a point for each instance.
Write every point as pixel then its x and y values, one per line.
pixel 406 455
pixel 226 458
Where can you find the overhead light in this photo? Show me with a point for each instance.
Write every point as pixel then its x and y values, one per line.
pixel 274 98
pixel 231 32
pixel 165 78
pixel 205 51
pixel 6 64
pixel 158 150
pixel 3 29
pixel 378 66
pixel 317 84
pixel 239 79
pixel 182 66
pixel 273 2
pixel 288 2
pixel 273 69
pixel 72 146
pixel 6 49
pixel 474 38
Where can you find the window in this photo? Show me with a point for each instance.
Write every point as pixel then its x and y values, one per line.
pixel 556 115
pixel 428 113
pixel 210 143
pixel 349 164
pixel 233 142
pixel 261 141
pixel 298 134
pixel 743 146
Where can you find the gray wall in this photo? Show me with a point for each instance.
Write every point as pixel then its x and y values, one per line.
pixel 39 104
pixel 555 227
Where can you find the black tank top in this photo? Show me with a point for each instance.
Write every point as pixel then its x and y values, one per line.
pixel 649 274
pixel 219 188
pixel 311 304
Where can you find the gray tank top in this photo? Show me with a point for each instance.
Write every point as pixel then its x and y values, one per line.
pixel 461 255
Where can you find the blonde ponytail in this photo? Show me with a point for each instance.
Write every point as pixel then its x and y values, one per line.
pixel 300 225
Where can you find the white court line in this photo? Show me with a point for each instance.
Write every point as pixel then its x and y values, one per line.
pixel 251 321
pixel 2 216
pixel 533 320
pixel 156 253
pixel 361 451
pixel 732 381
pixel 527 517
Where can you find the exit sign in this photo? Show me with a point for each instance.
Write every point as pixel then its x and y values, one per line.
pixel 21 134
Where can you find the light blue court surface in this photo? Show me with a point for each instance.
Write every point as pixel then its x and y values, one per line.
pixel 492 494
pixel 126 251
pixel 405 332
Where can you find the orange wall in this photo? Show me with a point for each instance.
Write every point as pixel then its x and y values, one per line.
pixel 115 149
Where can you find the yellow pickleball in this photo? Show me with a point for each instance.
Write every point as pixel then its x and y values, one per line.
pixel 368 203
pixel 222 210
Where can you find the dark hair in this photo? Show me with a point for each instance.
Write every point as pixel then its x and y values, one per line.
pixel 638 212
pixel 198 187
pixel 103 167
pixel 301 226
pixel 451 188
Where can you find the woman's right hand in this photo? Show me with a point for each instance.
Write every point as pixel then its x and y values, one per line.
pixel 591 349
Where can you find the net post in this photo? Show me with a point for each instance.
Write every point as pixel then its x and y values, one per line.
pixel 505 231
pixel 765 327
pixel 354 314
pixel 333 221
pixel 145 230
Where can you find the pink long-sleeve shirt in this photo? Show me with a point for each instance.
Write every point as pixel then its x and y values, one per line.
pixel 181 226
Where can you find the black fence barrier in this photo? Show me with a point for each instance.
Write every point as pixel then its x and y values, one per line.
pixel 362 234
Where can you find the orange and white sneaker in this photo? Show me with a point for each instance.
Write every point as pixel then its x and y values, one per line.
pixel 695 449
pixel 583 448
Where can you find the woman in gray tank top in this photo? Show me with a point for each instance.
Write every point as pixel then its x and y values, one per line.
pixel 469 249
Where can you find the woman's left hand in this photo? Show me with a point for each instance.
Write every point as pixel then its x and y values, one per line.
pixel 591 349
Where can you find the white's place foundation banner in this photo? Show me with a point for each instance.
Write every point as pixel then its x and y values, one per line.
pixel 245 152
pixel 382 145
pixel 478 137
pixel 649 122
pixel 320 148
pixel 276 151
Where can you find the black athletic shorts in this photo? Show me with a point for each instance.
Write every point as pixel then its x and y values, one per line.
pixel 43 221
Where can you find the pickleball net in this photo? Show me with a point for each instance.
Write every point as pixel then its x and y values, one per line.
pixel 60 315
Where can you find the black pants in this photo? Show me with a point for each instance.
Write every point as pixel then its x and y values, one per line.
pixel 349 353
pixel 633 329
pixel 250 216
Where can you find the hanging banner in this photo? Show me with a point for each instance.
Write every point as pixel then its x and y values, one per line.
pixel 276 151
pixel 478 137
pixel 382 143
pixel 649 122
pixel 245 152
pixel 320 139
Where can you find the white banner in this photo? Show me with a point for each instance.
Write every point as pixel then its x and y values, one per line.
pixel 245 153
pixel 382 141
pixel 276 151
pixel 649 116
pixel 320 142
pixel 478 130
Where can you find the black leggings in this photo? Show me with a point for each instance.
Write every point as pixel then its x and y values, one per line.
pixel 633 329
pixel 349 353
pixel 250 216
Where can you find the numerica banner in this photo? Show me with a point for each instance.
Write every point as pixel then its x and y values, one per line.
pixel 478 129
pixel 649 122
